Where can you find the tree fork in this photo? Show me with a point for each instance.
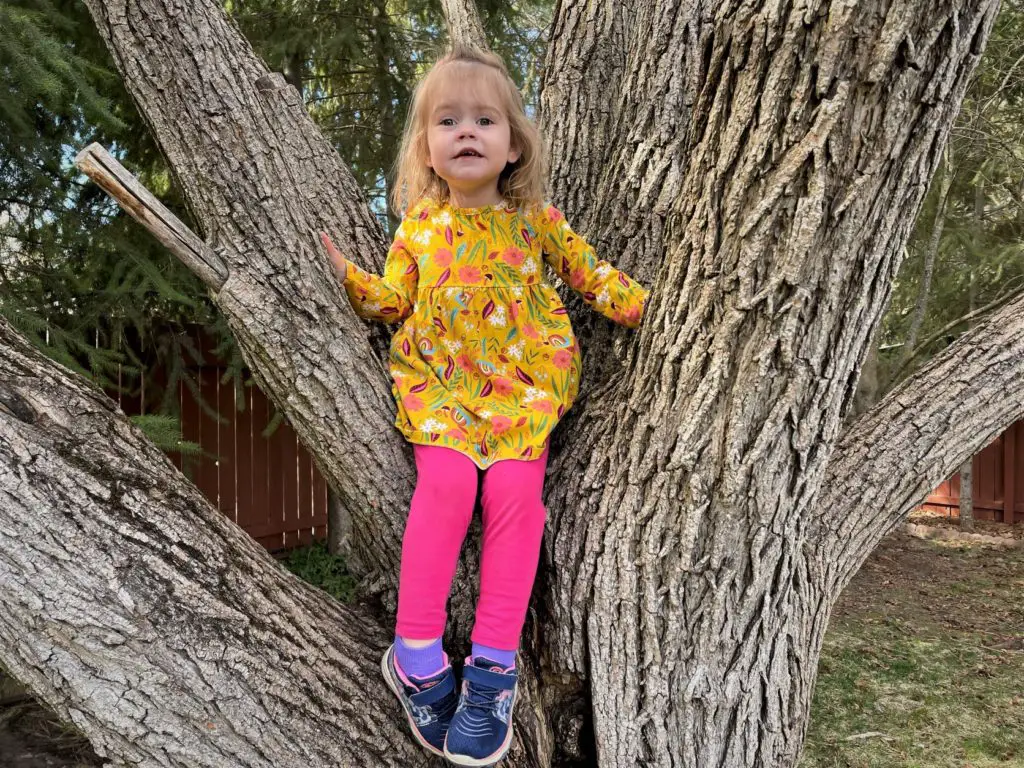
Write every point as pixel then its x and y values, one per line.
pixel 682 581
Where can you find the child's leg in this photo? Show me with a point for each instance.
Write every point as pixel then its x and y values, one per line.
pixel 439 515
pixel 513 527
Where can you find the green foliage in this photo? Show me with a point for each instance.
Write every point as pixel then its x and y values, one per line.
pixel 518 33
pixel 980 258
pixel 80 279
pixel 320 568
pixel 351 60
pixel 43 75
pixel 165 432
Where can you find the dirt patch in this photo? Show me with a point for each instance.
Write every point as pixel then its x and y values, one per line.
pixel 941 585
pixel 948 534
pixel 936 519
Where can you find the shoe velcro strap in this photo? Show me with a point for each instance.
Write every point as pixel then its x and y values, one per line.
pixel 435 692
pixel 502 681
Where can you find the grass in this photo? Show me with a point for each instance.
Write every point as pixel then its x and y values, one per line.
pixel 923 665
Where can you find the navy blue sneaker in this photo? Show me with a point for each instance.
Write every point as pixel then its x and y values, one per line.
pixel 428 703
pixel 481 731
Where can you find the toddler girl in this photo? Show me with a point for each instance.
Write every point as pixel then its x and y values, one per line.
pixel 484 365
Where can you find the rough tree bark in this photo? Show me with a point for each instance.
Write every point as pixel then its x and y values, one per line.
pixel 140 614
pixel 760 166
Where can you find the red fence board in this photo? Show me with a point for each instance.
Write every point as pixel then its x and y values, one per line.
pixel 268 485
pixel 998 477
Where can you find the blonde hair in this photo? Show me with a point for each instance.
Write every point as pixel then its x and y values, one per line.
pixel 521 183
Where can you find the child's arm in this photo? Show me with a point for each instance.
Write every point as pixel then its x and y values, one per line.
pixel 606 289
pixel 390 298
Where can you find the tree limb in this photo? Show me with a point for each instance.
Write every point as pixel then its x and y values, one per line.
pixel 894 455
pixel 140 613
pixel 96 163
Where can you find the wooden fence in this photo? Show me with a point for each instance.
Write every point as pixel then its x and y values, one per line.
pixel 268 485
pixel 998 477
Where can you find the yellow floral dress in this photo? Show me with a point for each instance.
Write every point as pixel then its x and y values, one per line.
pixel 485 361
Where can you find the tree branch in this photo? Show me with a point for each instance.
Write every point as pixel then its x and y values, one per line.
pixel 96 163
pixel 140 613
pixel 919 434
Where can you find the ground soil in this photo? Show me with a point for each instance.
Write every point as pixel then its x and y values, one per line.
pixel 923 581
pixel 31 737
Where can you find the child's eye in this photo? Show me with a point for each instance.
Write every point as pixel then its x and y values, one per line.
pixel 447 121
pixel 485 121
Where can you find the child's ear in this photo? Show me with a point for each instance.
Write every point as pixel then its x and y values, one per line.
pixel 514 154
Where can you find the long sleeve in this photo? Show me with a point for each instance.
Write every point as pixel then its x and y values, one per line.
pixel 390 298
pixel 606 289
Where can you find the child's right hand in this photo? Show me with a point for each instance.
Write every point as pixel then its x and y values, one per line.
pixel 340 262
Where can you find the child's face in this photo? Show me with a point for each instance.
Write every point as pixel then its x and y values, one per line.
pixel 468 140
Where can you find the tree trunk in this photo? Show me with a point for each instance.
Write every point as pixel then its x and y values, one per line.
pixel 685 512
pixel 967 495
pixel 931 253
pixel 759 167
pixel 967 469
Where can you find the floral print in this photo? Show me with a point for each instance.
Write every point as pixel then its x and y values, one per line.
pixel 485 361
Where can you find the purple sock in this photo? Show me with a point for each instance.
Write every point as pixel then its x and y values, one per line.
pixel 504 658
pixel 419 662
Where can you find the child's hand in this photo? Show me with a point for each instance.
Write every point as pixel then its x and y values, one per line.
pixel 340 262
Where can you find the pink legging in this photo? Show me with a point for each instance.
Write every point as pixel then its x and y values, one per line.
pixel 442 506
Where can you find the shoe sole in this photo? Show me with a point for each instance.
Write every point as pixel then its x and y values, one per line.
pixel 480 761
pixel 386 672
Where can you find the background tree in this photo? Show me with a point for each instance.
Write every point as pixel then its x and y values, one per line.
pixel 967 241
pixel 760 167
pixel 965 256
pixel 85 284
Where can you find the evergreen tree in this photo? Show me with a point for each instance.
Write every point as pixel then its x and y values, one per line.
pixel 82 280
